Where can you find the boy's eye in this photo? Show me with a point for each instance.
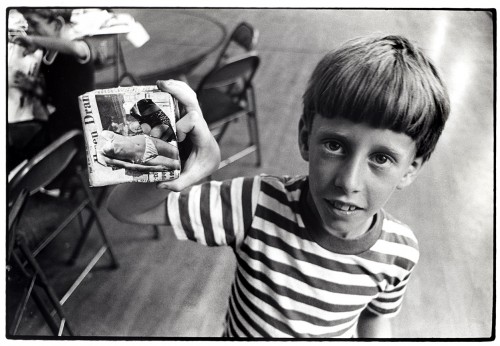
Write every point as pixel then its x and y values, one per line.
pixel 333 146
pixel 381 159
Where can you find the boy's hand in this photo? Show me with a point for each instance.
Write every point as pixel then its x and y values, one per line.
pixel 204 158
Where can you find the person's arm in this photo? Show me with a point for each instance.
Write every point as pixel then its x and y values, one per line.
pixel 371 325
pixel 145 203
pixel 76 48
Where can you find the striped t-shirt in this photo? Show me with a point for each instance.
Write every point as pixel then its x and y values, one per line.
pixel 292 279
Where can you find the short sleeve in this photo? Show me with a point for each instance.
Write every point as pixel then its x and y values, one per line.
pixel 88 54
pixel 398 247
pixel 214 213
pixel 388 303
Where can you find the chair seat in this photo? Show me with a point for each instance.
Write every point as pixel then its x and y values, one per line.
pixel 43 214
pixel 218 107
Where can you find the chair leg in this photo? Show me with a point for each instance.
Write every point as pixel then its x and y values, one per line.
pixel 22 307
pixel 253 132
pixel 47 287
pixel 31 291
pixel 102 196
pixel 253 124
pixel 157 232
pixel 221 132
pixel 85 231
pixel 95 212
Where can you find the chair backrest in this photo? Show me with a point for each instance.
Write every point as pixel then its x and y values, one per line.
pixel 104 51
pixel 234 70
pixel 15 211
pixel 45 166
pixel 244 35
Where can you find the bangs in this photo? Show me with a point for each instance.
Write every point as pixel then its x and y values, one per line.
pixel 383 95
pixel 387 85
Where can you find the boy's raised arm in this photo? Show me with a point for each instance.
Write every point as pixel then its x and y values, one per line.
pixel 144 203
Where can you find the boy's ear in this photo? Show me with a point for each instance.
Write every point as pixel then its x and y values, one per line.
pixel 411 174
pixel 59 22
pixel 303 140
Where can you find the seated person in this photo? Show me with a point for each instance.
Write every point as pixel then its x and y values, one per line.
pixel 26 112
pixel 317 255
pixel 67 68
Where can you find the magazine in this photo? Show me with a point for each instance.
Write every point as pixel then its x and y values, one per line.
pixel 126 111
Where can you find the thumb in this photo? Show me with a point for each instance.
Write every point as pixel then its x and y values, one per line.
pixel 202 162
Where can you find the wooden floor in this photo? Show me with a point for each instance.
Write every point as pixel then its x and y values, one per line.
pixel 168 288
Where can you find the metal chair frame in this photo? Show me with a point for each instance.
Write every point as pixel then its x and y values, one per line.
pixel 32 178
pixel 231 82
pixel 244 35
pixel 109 54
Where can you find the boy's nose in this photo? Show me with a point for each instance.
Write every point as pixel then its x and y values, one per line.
pixel 350 176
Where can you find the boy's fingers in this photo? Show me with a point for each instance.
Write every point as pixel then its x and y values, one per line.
pixel 201 162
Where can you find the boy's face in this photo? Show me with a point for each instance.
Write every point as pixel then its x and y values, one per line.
pixel 353 170
pixel 41 26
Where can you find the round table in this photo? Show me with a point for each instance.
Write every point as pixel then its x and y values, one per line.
pixel 179 41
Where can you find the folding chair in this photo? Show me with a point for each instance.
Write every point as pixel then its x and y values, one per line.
pixel 108 56
pixel 226 94
pixel 244 37
pixel 26 241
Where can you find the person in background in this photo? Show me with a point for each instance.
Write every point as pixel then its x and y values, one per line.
pixel 26 113
pixel 317 255
pixel 67 69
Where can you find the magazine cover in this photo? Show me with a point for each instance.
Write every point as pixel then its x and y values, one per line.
pixel 126 111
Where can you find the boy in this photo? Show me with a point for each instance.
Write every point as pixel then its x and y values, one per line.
pixel 316 256
pixel 67 69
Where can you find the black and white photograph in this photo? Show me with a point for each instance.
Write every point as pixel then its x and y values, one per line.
pixel 334 172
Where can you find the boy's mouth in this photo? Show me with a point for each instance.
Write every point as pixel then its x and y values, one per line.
pixel 345 208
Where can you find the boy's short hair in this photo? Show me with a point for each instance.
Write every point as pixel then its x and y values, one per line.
pixel 384 81
pixel 49 13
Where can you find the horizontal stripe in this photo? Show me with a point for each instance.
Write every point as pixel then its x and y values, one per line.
pixel 236 322
pixel 205 215
pixel 265 311
pixel 308 294
pixel 400 250
pixel 353 269
pixel 394 237
pixel 193 206
pixel 226 208
pixel 286 285
pixel 215 214
pixel 392 226
pixel 294 310
pixel 293 262
pixel 264 324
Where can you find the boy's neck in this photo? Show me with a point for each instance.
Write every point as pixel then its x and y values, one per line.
pixel 353 242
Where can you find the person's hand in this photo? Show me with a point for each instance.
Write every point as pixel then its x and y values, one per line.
pixel 129 152
pixel 22 81
pixel 204 158
pixel 27 42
